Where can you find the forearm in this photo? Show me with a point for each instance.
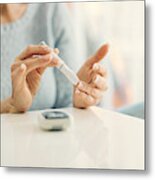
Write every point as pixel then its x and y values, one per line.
pixel 7 107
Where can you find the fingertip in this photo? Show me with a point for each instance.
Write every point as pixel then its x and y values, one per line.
pixel 80 85
pixel 95 66
pixel 107 45
pixel 55 62
pixel 97 80
pixel 100 54
pixel 77 91
pixel 23 67
pixel 105 49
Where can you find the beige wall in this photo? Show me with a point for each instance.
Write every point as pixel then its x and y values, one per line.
pixel 120 23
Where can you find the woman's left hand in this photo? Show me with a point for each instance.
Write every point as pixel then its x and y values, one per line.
pixel 92 83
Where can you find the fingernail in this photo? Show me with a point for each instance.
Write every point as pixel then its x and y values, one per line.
pixel 80 85
pixel 96 66
pixel 23 66
pixel 77 91
pixel 97 80
pixel 36 56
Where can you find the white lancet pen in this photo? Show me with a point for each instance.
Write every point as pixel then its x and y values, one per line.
pixel 69 73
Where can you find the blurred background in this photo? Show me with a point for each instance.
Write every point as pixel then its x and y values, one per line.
pixel 121 24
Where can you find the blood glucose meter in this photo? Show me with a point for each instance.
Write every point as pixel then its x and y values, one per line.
pixel 55 120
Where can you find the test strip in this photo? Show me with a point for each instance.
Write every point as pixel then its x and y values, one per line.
pixel 68 72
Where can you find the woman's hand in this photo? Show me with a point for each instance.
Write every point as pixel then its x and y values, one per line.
pixel 26 75
pixel 93 81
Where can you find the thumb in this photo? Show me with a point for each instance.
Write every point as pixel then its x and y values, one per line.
pixel 99 55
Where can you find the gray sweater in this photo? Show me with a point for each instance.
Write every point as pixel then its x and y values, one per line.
pixel 47 22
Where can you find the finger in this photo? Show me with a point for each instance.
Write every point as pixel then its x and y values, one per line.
pixel 35 63
pixel 40 62
pixel 85 100
pixel 94 92
pixel 99 82
pixel 32 50
pixel 99 69
pixel 31 63
pixel 99 55
pixel 19 75
pixel 41 70
pixel 53 63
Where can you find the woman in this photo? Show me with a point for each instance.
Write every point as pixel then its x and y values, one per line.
pixel 27 85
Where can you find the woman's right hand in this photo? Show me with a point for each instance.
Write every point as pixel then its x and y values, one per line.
pixel 26 74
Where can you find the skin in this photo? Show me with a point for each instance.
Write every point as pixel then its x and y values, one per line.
pixel 28 67
pixel 12 12
pixel 26 74
pixel 93 81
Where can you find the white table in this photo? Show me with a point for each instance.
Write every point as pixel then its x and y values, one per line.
pixel 98 139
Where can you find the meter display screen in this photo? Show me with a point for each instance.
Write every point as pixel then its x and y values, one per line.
pixel 54 115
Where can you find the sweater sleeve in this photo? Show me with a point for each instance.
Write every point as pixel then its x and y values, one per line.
pixel 64 40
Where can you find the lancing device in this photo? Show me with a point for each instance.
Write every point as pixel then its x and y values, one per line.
pixel 69 73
